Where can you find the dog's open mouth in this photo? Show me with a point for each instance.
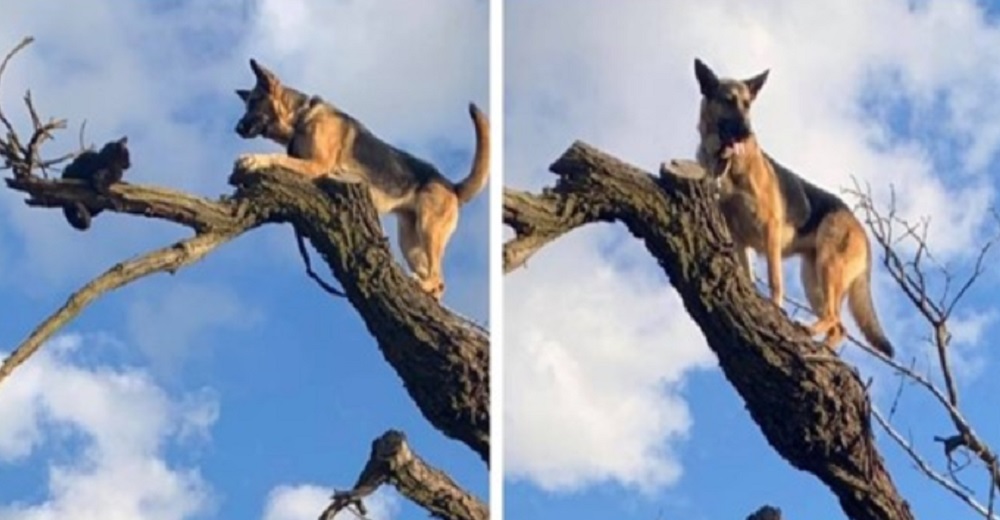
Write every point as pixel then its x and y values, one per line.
pixel 733 149
pixel 734 134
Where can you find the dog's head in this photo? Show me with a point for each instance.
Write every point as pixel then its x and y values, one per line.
pixel 725 106
pixel 265 113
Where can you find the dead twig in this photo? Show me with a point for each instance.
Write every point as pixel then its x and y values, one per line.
pixel 3 67
pixel 25 159
pixel 925 467
pixel 301 242
pixel 910 277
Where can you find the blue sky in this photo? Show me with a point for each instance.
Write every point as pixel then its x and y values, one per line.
pixel 614 407
pixel 228 390
pixel 225 392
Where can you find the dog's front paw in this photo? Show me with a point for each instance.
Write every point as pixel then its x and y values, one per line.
pixel 432 286
pixel 252 162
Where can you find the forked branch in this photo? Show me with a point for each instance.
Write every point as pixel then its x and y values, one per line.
pixel 24 159
pixel 911 277
pixel 392 461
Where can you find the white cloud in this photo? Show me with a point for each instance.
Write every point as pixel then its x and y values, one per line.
pixel 404 68
pixel 592 378
pixel 622 79
pixel 306 501
pixel 122 422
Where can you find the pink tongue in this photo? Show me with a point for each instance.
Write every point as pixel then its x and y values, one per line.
pixel 736 148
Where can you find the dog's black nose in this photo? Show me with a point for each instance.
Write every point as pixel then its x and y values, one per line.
pixel 733 129
pixel 243 128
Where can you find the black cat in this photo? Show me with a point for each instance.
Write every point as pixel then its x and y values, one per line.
pixel 99 170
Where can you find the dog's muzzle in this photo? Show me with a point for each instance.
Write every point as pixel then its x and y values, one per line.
pixel 733 130
pixel 249 127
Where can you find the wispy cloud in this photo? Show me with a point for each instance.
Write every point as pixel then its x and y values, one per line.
pixel 166 324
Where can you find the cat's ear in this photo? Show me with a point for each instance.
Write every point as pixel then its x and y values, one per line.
pixel 123 141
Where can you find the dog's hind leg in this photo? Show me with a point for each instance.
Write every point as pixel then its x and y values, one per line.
pixel 437 217
pixel 817 294
pixel 830 284
pixel 409 244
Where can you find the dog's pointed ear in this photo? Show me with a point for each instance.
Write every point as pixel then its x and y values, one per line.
pixel 264 77
pixel 243 93
pixel 707 79
pixel 756 83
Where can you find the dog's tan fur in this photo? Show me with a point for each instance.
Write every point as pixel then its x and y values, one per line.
pixel 771 210
pixel 325 142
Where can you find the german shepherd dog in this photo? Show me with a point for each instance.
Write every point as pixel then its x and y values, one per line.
pixel 773 211
pixel 323 141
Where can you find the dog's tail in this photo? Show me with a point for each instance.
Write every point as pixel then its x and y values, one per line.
pixel 77 215
pixel 470 186
pixel 859 298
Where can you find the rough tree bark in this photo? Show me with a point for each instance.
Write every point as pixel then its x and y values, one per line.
pixel 442 358
pixel 391 460
pixel 812 408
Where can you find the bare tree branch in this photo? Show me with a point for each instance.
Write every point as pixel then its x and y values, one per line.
pixel 25 159
pixel 412 330
pixel 904 273
pixel 198 213
pixel 927 469
pixel 168 259
pixel 11 134
pixel 812 408
pixel 392 461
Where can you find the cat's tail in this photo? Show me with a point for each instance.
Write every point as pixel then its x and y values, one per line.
pixel 77 215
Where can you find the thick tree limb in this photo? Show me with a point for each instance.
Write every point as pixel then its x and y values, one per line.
pixel 414 333
pixel 537 220
pixel 442 358
pixel 197 213
pixel 811 407
pixel 393 462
